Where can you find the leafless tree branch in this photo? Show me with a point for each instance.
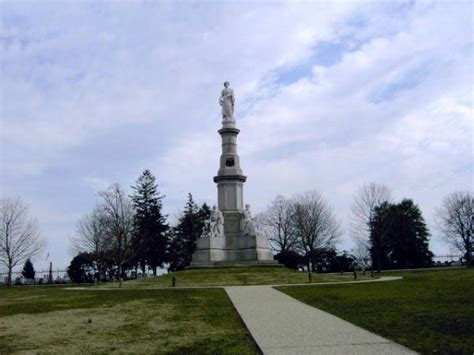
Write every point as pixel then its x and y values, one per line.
pixel 315 224
pixel 455 219
pixel 19 235
pixel 277 224
pixel 366 199
pixel 118 213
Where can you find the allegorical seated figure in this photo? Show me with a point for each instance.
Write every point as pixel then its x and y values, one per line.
pixel 247 225
pixel 205 230
pixel 214 227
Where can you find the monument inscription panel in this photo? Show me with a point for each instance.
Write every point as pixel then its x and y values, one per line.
pixel 232 224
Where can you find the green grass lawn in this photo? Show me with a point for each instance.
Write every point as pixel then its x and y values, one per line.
pixel 54 320
pixel 235 276
pixel 427 311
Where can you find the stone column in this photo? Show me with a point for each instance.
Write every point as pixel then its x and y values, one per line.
pixel 230 179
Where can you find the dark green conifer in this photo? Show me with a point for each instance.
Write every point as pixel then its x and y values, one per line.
pixel 150 226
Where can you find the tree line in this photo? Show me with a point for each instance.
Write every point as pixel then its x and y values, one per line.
pixel 131 233
pixel 124 233
pixel 303 230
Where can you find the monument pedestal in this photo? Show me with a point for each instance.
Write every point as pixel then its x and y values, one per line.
pixel 251 248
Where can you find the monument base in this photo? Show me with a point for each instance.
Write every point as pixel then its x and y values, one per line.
pixel 251 250
pixel 233 264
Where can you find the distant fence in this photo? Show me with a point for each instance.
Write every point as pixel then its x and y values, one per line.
pixel 60 276
pixel 41 276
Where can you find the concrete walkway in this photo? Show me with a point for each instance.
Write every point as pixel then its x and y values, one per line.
pixel 282 325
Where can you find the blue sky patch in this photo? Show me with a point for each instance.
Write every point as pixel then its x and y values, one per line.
pixel 408 81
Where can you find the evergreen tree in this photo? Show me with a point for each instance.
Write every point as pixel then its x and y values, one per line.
pixel 28 271
pixel 177 251
pixel 378 240
pixel 150 226
pixel 183 236
pixel 399 237
pixel 82 268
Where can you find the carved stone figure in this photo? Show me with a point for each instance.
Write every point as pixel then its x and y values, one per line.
pixel 216 223
pixel 205 230
pixel 227 101
pixel 247 225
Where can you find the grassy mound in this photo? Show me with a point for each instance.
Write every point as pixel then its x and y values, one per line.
pixel 427 311
pixel 236 277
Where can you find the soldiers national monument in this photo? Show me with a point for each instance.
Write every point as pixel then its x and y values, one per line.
pixel 229 237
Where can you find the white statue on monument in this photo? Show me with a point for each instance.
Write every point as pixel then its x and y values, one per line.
pixel 214 227
pixel 227 101
pixel 247 225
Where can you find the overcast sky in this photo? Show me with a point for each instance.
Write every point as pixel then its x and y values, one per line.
pixel 329 95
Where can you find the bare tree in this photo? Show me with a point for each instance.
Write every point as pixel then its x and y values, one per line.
pixel 316 227
pixel 276 222
pixel 118 212
pixel 90 233
pixel 92 237
pixel 368 197
pixel 19 235
pixel 455 219
pixel 361 253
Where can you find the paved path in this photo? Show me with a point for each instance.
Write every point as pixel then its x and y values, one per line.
pixel 282 325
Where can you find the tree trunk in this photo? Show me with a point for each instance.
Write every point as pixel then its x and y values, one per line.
pixel 120 275
pixel 469 261
pixel 100 273
pixel 378 259
pixel 154 271
pixel 9 279
pixel 310 267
